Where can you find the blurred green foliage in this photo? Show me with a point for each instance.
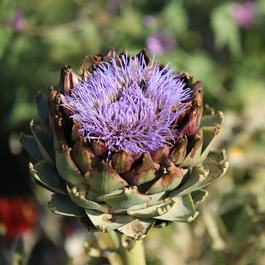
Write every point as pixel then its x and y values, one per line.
pixel 210 44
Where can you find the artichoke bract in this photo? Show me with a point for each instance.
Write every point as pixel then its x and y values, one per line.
pixel 125 144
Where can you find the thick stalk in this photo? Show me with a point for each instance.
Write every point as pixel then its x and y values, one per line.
pixel 131 252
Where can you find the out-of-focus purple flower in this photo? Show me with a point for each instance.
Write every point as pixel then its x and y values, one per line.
pixel 160 43
pixel 19 22
pixel 148 20
pixel 244 13
pixel 112 6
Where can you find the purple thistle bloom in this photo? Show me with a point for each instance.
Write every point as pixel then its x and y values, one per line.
pixel 244 13
pixel 129 105
pixel 148 20
pixel 160 42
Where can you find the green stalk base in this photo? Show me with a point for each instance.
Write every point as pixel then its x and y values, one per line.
pixel 131 252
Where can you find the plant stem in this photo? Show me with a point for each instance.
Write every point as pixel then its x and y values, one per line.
pixel 131 252
pixel 115 239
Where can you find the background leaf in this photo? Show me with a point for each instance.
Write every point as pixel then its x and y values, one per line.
pixel 226 30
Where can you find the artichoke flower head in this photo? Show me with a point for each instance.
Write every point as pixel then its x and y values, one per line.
pixel 125 144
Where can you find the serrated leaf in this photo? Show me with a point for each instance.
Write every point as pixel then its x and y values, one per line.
pixel 182 211
pixel 209 135
pixel 103 179
pixel 211 120
pixel 193 156
pixel 144 172
pixel 63 205
pixel 138 228
pixel 44 140
pixel 162 224
pixel 87 224
pixel 47 175
pixel 106 222
pixel 30 144
pixel 198 196
pixel 193 180
pixel 168 181
pixel 67 168
pixel 43 109
pixel 152 211
pixel 216 171
pixel 80 199
pixel 218 156
pixel 128 198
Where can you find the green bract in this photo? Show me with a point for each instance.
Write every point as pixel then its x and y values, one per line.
pixel 129 193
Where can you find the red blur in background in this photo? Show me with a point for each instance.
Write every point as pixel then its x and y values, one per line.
pixel 17 216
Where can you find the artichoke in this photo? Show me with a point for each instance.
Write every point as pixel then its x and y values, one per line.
pixel 125 145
